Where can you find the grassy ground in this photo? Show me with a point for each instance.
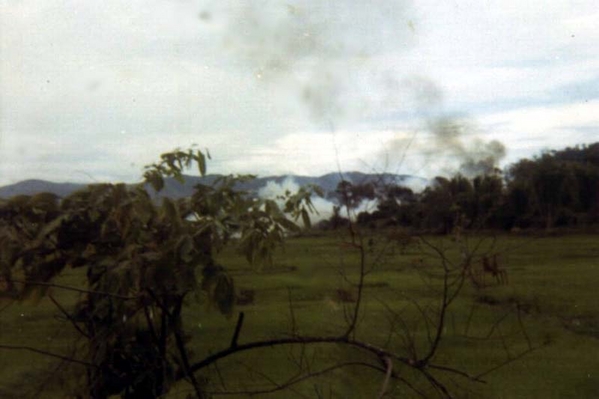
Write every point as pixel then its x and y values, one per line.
pixel 552 292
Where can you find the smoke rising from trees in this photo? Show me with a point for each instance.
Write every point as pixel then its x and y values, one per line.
pixel 450 144
pixel 458 139
pixel 273 190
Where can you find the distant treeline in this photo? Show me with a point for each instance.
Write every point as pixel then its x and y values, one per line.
pixel 555 189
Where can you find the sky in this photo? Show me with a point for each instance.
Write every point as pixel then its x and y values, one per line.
pixel 93 91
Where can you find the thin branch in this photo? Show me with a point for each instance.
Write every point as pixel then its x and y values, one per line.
pixel 411 386
pixel 41 390
pixel 295 380
pixel 237 329
pixel 46 353
pixel 68 316
pixel 441 322
pixel 354 321
pixel 469 319
pixel 274 383
pixel 519 314
pixel 437 250
pixel 253 372
pixel 508 361
pixel 379 352
pixel 299 360
pixel 291 312
pixel 220 376
pixel 492 329
pixel 407 338
pixel 389 365
pixel 455 371
pixel 175 319
pixel 80 290
pixel 442 389
pixel 503 343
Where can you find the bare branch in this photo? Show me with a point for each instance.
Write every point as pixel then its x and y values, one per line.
pixel 442 389
pixel 80 290
pixel 46 353
pixel 291 312
pixel 68 317
pixel 354 320
pixel 379 352
pixel 389 365
pixel 237 330
pixel 175 318
pixel 295 380
pixel 441 321
pixel 456 371
pixel 508 361
pixel 522 328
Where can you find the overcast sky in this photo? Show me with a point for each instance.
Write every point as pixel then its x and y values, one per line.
pixel 93 91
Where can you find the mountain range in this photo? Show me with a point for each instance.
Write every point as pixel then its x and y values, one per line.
pixel 174 189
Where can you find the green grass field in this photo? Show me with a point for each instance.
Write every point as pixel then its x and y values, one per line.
pixel 553 281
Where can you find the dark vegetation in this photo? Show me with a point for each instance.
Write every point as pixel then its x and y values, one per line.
pixel 559 189
pixel 129 277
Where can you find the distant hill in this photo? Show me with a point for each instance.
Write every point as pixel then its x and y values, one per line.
pixel 174 189
pixel 30 187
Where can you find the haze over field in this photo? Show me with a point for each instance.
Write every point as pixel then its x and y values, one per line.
pixel 94 91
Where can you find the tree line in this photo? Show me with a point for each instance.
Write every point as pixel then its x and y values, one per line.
pixel 559 188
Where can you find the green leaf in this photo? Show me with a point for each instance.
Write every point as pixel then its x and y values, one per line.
pixel 306 218
pixel 155 179
pixel 202 163
pixel 272 209
pixel 288 224
pixel 318 190
pixel 179 177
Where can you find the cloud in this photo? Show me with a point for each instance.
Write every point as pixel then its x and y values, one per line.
pixel 126 79
pixel 532 129
pixel 311 51
pixel 264 85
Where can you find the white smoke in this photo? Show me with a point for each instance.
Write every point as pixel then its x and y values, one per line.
pixel 416 184
pixel 273 190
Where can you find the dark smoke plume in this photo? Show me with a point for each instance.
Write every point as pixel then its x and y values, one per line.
pixel 444 144
pixel 458 139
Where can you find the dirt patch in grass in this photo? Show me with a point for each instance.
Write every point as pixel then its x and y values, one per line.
pixel 587 325
pixel 517 303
